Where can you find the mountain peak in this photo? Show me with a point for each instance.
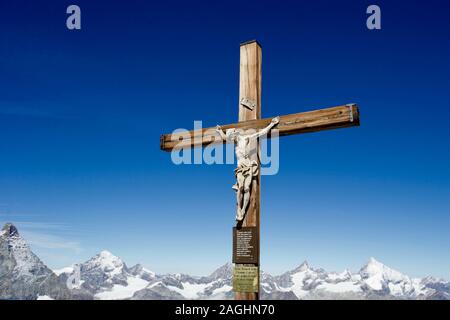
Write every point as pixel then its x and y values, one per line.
pixel 106 257
pixel 304 266
pixel 372 260
pixel 28 275
pixel 373 266
pixel 107 262
pixel 10 230
pixel 376 273
pixel 223 272
pixel 106 254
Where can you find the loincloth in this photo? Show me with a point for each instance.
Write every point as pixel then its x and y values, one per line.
pixel 251 169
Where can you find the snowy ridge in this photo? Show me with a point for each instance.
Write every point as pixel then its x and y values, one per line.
pixel 373 281
pixel 106 276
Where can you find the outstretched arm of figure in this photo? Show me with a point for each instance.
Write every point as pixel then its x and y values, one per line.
pixel 267 129
pixel 221 133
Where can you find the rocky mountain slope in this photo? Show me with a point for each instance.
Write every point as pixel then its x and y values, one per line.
pixel 22 274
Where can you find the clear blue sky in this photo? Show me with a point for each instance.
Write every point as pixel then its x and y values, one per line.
pixel 81 113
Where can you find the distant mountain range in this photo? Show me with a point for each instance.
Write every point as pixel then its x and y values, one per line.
pixel 24 276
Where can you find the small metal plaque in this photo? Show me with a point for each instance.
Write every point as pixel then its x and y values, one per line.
pixel 245 279
pixel 245 245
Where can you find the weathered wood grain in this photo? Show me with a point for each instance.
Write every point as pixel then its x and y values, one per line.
pixel 312 121
pixel 250 88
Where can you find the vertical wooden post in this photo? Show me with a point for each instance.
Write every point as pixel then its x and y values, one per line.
pixel 250 88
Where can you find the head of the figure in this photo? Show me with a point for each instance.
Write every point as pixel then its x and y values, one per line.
pixel 232 133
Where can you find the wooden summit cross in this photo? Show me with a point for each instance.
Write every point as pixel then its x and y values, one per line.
pixel 250 118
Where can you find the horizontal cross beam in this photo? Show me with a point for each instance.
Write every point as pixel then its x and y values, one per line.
pixel 304 122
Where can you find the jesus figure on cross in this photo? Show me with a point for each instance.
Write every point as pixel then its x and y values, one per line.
pixel 247 169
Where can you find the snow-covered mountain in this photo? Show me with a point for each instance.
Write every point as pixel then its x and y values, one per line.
pixel 22 274
pixel 181 286
pixel 106 276
pixel 373 281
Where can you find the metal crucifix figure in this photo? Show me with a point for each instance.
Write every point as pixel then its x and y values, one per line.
pixel 247 169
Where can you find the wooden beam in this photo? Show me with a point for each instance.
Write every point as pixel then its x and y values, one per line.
pixel 250 73
pixel 312 121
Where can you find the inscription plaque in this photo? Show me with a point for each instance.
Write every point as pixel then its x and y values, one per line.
pixel 245 245
pixel 245 279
